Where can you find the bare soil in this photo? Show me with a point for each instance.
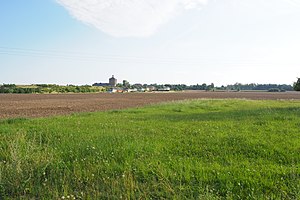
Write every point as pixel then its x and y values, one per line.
pixel 41 105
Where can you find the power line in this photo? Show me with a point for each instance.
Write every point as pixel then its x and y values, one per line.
pixel 84 57
pixel 79 56
pixel 82 54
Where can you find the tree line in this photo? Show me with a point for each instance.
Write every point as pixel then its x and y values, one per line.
pixel 266 87
pixel 234 87
pixel 53 88
pixel 48 88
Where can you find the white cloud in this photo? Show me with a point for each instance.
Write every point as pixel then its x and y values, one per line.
pixel 128 18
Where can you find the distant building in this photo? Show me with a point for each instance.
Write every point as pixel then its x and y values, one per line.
pixel 112 90
pixel 101 84
pixel 115 90
pixel 164 89
pixel 151 88
pixel 111 87
pixel 113 81
pixel 131 90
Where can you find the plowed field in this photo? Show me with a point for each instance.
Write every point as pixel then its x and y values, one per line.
pixel 41 105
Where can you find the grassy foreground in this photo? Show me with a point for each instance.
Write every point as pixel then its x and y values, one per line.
pixel 200 149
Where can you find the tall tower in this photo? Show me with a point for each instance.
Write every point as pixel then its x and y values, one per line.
pixel 113 81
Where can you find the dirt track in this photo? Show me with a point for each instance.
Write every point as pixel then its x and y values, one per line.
pixel 41 105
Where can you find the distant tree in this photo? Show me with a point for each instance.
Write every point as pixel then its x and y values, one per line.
pixel 126 84
pixel 210 87
pixel 297 85
pixel 119 85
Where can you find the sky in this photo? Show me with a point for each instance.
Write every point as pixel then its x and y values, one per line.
pixel 150 41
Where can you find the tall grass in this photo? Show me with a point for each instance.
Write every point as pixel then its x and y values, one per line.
pixel 199 149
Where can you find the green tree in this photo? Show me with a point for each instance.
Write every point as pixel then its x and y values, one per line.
pixel 297 85
pixel 126 84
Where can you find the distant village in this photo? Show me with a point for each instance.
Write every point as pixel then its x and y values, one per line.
pixel 114 87
pixel 125 87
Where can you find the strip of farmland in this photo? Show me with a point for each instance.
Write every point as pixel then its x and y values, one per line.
pixel 41 105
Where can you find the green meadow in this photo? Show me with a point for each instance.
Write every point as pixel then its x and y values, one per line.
pixel 198 149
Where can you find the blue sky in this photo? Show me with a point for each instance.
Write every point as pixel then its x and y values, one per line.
pixel 149 41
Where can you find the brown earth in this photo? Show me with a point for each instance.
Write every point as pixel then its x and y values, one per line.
pixel 41 105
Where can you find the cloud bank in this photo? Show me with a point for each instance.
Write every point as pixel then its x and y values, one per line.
pixel 128 18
